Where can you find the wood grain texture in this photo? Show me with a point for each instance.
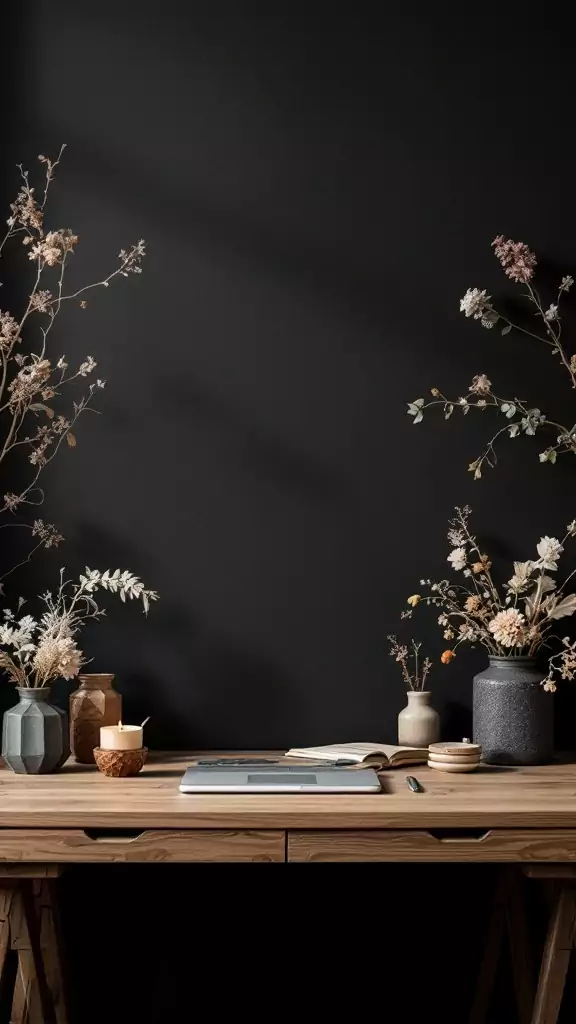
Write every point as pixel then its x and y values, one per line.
pixel 80 797
pixel 50 940
pixel 557 953
pixel 28 926
pixel 24 869
pixel 73 846
pixel 552 872
pixel 38 991
pixel 416 845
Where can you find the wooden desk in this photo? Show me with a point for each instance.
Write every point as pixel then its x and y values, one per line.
pixel 494 815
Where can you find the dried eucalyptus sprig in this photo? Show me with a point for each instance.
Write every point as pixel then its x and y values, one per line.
pixel 415 677
pixel 35 651
pixel 518 262
pixel 32 381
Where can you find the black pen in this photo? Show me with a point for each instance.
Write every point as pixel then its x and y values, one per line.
pixel 413 784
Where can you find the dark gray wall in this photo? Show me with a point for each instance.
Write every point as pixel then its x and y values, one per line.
pixel 317 193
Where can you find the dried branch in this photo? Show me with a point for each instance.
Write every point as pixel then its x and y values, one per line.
pixel 34 384
pixel 519 263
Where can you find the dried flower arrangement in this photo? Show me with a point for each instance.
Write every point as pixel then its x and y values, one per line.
pixel 33 652
pixel 476 612
pixel 32 381
pixel 415 677
pixel 518 263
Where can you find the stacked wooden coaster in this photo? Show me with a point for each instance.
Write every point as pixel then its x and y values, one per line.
pixel 454 757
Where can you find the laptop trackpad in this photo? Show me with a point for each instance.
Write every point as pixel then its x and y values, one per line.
pixel 283 780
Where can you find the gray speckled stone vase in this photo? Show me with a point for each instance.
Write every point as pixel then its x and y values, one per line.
pixel 513 715
pixel 34 734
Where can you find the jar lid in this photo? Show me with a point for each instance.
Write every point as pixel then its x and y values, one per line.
pixel 457 749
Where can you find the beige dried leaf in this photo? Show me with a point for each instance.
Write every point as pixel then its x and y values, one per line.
pixel 71 439
pixel 566 607
pixel 40 407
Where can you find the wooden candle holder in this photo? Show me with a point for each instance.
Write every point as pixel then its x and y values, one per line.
pixel 120 763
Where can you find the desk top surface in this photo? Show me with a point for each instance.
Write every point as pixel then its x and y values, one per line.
pixel 80 797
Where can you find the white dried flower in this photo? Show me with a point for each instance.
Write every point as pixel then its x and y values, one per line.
pixel 467 632
pixel 457 558
pixel 41 300
pixel 551 313
pixel 566 283
pixel 549 550
pixel 507 628
pixel 521 578
pixel 476 303
pixel 481 385
pixel 87 366
pixel 456 537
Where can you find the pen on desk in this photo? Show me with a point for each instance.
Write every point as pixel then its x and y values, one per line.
pixel 413 784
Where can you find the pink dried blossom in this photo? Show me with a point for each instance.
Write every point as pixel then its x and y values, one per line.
pixel 516 258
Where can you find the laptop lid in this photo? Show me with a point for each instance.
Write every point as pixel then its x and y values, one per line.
pixel 281 779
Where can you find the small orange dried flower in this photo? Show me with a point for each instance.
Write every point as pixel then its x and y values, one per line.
pixel 446 657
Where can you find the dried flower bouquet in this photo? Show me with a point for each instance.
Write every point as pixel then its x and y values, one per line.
pixel 35 651
pixel 517 619
pixel 518 263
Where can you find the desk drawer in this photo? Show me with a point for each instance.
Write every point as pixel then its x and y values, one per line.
pixel 498 845
pixel 61 846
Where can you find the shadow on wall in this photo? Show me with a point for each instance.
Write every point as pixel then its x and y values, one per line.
pixel 207 681
pixel 14 542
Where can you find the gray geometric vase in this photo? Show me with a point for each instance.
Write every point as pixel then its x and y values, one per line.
pixel 34 733
pixel 513 716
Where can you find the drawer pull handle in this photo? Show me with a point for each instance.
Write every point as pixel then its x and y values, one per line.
pixel 113 835
pixel 459 835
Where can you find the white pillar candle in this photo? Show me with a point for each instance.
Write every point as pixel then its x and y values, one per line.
pixel 121 737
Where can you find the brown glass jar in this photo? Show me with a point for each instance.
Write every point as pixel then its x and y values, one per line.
pixel 93 704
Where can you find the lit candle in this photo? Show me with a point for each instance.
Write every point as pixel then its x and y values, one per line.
pixel 121 737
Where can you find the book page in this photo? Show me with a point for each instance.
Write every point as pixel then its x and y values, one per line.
pixel 357 752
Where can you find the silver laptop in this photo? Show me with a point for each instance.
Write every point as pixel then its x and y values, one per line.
pixel 279 779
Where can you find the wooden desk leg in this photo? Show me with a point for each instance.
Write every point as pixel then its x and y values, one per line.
pixel 519 942
pixel 27 925
pixel 490 958
pixel 508 915
pixel 6 894
pixel 557 952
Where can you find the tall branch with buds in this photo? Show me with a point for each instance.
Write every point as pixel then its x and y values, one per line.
pixel 33 381
pixel 518 263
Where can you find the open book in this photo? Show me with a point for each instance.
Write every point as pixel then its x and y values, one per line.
pixel 386 754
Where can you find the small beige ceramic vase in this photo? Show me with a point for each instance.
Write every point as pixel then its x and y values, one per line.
pixel 418 723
